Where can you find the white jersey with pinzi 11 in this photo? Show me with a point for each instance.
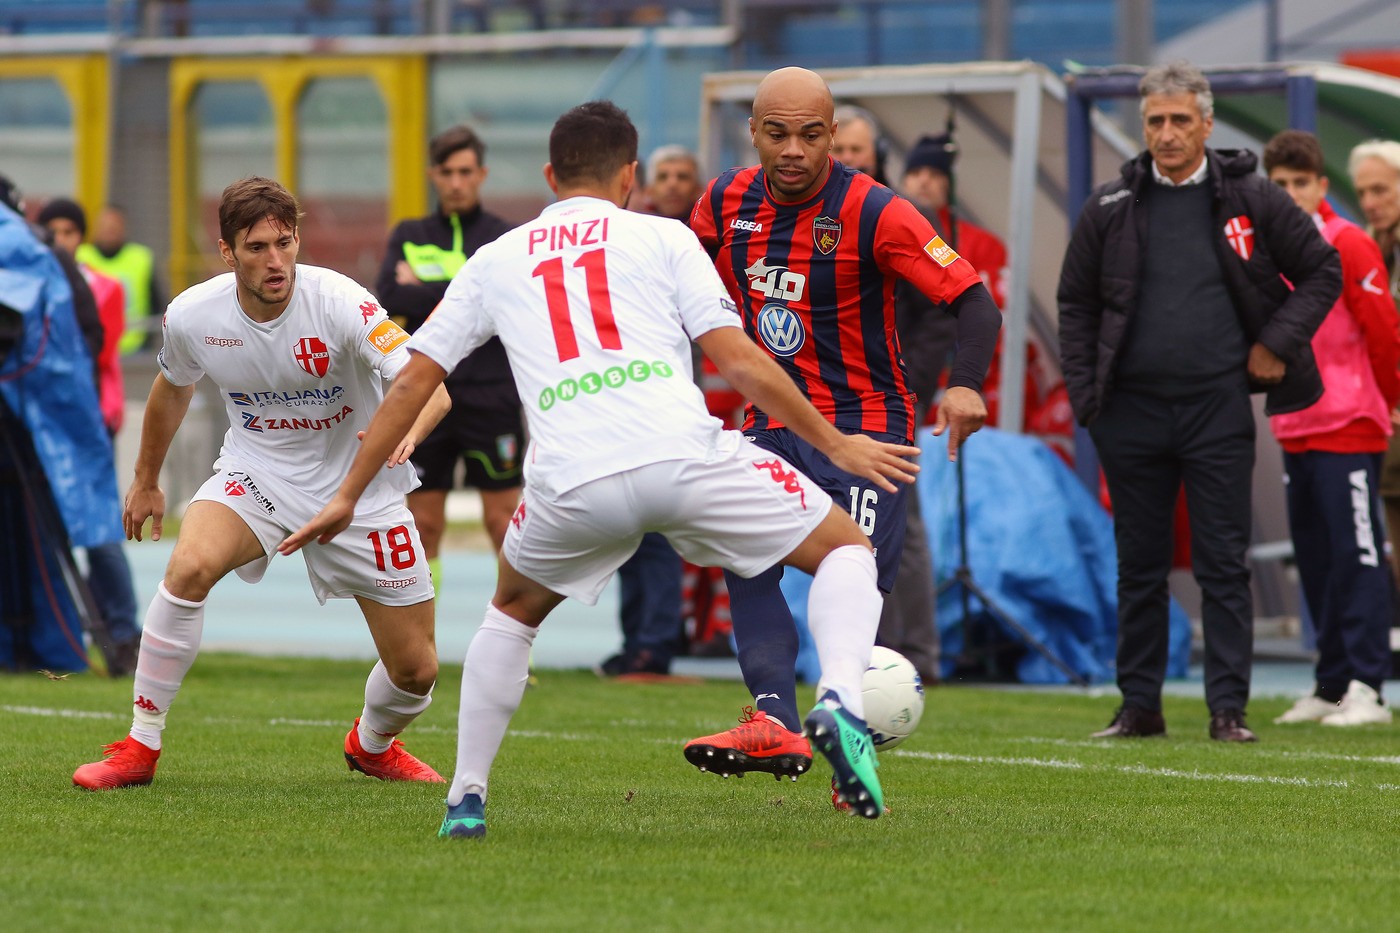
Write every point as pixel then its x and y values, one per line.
pixel 298 389
pixel 596 307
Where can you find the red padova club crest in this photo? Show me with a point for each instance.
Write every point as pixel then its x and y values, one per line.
pixel 311 355
pixel 1239 231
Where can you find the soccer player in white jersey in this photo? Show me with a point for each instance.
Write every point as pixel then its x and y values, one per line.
pixel 596 307
pixel 301 356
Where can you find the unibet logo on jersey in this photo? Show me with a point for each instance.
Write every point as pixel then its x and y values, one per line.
pixel 614 377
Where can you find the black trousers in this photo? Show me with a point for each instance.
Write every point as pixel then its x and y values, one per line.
pixel 1149 447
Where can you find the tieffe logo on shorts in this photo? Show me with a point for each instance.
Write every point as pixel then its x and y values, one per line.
pixel 614 377
pixel 784 476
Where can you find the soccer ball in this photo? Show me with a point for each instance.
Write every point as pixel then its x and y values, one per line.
pixel 894 697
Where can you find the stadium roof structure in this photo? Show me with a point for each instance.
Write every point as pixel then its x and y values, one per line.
pixel 1010 126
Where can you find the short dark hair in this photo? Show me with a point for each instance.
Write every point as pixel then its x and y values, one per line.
pixel 591 142
pixel 453 140
pixel 248 201
pixel 63 209
pixel 1294 149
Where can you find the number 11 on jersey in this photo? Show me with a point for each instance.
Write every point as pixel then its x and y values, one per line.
pixel 595 271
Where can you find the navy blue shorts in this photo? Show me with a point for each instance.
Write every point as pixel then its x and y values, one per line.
pixel 881 515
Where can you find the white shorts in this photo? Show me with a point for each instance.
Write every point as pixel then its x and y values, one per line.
pixel 744 510
pixel 378 557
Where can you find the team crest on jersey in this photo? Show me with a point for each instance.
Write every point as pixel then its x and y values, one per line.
pixel 1239 231
pixel 826 234
pixel 780 329
pixel 507 447
pixel 234 488
pixel 311 355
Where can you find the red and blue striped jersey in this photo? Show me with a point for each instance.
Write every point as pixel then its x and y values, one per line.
pixel 814 282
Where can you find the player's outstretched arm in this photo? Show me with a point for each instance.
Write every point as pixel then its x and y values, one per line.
pixel 404 404
pixel 751 372
pixel 961 413
pixel 165 410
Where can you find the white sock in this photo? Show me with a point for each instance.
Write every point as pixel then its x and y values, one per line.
pixel 169 643
pixel 843 612
pixel 494 675
pixel 388 710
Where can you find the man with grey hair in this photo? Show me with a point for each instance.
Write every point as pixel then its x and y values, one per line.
pixel 673 181
pixel 1374 167
pixel 1173 309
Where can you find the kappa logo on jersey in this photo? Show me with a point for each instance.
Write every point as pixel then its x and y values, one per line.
pixel 387 337
pixel 781 330
pixel 776 282
pixel 259 424
pixel 786 477
pixel 223 342
pixel 1239 231
pixel 940 252
pixel 826 234
pixel 311 355
pixel 234 488
pixel 368 310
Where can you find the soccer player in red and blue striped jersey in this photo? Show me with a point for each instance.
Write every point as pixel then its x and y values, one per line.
pixel 810 251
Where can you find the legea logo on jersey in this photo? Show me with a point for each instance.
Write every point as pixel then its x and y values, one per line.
pixel 614 377
pixel 780 329
pixel 311 355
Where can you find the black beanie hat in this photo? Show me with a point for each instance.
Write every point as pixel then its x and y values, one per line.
pixel 934 152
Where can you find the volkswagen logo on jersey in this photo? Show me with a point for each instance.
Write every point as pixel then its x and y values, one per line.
pixel 780 329
pixel 311 355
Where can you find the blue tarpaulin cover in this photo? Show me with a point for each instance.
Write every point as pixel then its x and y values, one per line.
pixel 1038 544
pixel 47 382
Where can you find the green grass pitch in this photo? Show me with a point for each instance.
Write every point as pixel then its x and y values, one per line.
pixel 1004 817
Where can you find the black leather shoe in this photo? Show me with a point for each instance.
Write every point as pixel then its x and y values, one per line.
pixel 1132 722
pixel 1227 725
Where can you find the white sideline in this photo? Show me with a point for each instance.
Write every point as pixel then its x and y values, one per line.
pixel 1031 762
pixel 1135 769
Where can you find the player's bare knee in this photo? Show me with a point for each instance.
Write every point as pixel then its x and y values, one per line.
pixel 190 578
pixel 416 677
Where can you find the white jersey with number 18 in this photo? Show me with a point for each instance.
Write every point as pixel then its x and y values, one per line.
pixel 596 307
pixel 297 389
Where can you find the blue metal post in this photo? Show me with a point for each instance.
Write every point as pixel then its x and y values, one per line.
pixel 1302 102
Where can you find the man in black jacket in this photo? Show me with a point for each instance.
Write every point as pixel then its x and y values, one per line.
pixel 1173 308
pixel 484 428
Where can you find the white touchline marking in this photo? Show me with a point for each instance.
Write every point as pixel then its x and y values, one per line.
pixel 63 713
pixel 1254 752
pixel 1133 769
